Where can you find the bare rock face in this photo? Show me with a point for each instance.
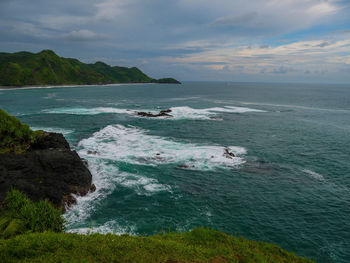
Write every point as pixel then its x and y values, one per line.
pixel 48 170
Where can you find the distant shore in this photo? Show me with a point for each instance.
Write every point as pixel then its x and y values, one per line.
pixel 69 86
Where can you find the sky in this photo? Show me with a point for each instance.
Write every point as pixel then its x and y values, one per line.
pixel 200 40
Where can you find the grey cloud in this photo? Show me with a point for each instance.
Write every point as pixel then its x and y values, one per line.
pixel 82 35
pixel 323 44
pixel 235 20
pixel 133 31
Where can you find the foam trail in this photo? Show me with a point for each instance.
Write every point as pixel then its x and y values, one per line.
pixel 135 146
pixel 109 227
pixel 313 174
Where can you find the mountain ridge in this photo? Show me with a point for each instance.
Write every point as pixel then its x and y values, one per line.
pixel 47 68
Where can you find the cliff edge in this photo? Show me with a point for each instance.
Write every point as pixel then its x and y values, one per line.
pixel 46 169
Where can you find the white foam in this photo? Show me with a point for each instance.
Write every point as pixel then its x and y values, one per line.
pixel 243 109
pixel 108 227
pixel 190 113
pixel 50 96
pixel 56 130
pixel 105 149
pixel 106 176
pixel 133 145
pixel 178 113
pixel 313 174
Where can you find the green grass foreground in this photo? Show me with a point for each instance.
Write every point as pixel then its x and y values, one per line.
pixel 33 232
pixel 198 245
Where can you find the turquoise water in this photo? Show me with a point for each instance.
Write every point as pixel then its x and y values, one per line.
pixel 288 184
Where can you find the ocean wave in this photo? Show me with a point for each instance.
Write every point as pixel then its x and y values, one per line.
pixel 178 113
pixel 107 148
pixel 106 176
pixel 135 146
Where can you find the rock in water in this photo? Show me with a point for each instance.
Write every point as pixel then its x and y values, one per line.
pixel 162 113
pixel 228 153
pixel 48 170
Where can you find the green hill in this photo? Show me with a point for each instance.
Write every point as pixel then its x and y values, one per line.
pixel 47 68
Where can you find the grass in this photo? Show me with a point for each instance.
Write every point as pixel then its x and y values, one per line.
pixel 19 215
pixel 198 245
pixel 33 232
pixel 14 135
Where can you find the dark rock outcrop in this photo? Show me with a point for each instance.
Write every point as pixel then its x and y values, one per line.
pixel 162 113
pixel 48 170
pixel 228 153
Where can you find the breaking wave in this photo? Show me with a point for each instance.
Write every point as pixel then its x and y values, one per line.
pixel 106 149
pixel 135 146
pixel 178 113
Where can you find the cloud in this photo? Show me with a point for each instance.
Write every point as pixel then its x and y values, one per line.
pixel 110 9
pixel 235 20
pixel 291 58
pixel 194 38
pixel 81 35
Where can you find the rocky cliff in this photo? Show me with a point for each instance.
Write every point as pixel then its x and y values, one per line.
pixel 49 169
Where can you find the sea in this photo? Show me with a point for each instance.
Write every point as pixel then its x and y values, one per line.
pixel 288 182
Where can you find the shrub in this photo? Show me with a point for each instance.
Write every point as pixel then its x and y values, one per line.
pixel 21 215
pixel 14 136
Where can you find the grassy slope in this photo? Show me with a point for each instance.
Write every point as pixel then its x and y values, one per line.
pixel 46 68
pixel 198 245
pixel 19 215
pixel 14 136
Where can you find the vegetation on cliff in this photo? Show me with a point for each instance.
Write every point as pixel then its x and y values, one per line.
pixel 47 68
pixel 40 164
pixel 32 232
pixel 14 135
pixel 19 215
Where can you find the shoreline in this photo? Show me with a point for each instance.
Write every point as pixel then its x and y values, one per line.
pixel 2 88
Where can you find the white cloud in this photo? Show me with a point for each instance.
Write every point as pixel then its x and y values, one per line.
pixel 289 58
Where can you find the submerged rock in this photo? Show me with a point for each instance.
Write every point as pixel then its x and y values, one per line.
pixel 162 113
pixel 48 170
pixel 228 153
